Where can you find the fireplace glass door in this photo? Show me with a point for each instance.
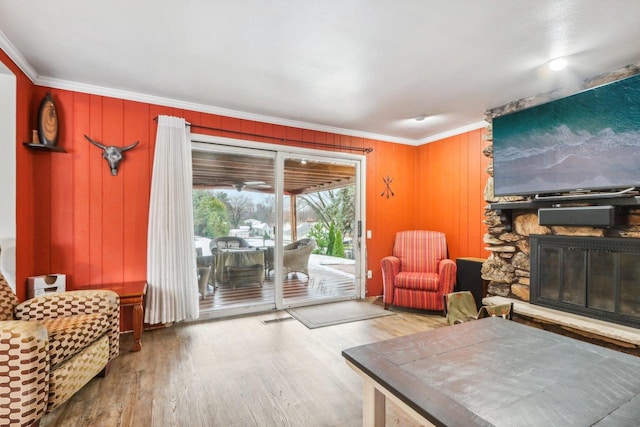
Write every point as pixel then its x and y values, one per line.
pixel 596 277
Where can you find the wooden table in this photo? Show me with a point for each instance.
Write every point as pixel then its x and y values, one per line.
pixel 131 295
pixel 496 372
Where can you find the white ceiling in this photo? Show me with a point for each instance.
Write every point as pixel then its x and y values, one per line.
pixel 360 67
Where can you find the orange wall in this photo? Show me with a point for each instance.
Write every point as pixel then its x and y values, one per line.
pixel 450 198
pixel 387 216
pixel 75 218
pixel 439 186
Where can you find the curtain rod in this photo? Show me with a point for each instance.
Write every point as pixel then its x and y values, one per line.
pixel 317 144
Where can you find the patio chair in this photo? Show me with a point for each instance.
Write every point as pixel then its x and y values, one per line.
pixel 418 273
pixel 203 279
pixel 296 255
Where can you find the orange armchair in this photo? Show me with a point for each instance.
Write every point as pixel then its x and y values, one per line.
pixel 418 273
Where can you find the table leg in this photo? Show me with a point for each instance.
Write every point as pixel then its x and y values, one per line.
pixel 373 406
pixel 137 327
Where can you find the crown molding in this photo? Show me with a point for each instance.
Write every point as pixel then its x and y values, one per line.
pixel 17 58
pixel 174 103
pixel 454 132
pixel 202 108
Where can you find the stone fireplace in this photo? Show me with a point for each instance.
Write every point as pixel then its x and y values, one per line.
pixel 512 221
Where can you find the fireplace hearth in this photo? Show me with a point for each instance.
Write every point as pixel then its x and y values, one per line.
pixel 595 277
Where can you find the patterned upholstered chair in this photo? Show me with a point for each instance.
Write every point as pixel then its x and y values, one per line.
pixel 418 273
pixel 50 347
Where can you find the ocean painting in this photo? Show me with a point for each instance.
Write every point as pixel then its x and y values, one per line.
pixel 586 141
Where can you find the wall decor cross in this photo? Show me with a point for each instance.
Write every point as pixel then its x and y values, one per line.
pixel 387 191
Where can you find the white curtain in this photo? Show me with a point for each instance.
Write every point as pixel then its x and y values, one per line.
pixel 172 292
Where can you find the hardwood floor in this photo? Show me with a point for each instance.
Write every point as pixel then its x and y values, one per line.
pixel 236 373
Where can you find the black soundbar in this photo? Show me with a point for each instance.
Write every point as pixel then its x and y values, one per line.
pixel 595 216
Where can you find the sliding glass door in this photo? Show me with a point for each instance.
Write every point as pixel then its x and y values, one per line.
pixel 234 210
pixel 319 258
pixel 274 228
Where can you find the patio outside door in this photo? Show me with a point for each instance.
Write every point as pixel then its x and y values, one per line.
pixel 275 229
pixel 234 205
pixel 320 230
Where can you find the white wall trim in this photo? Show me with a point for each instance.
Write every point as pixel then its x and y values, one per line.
pixel 168 102
pixel 17 57
pixel 202 108
pixel 453 132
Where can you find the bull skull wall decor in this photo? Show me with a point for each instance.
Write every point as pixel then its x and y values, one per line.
pixel 112 154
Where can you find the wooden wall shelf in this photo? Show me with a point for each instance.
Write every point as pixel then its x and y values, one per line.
pixel 505 209
pixel 42 147
pixel 526 204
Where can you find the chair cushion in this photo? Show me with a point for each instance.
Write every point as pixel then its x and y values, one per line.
pixel 71 334
pixel 420 281
pixel 420 250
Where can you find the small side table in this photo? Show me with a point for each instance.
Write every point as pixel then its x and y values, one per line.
pixel 131 295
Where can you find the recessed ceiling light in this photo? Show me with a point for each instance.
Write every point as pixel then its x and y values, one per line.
pixel 557 64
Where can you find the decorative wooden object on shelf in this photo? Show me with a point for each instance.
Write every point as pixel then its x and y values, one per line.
pixel 46 137
pixel 48 121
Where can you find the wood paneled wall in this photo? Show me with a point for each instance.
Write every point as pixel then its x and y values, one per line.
pixel 439 186
pixel 91 225
pixel 75 218
pixel 450 198
pixel 385 216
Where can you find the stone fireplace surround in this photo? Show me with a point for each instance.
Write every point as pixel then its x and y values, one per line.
pixel 507 269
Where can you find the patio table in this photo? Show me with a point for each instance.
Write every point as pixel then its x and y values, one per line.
pixel 240 257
